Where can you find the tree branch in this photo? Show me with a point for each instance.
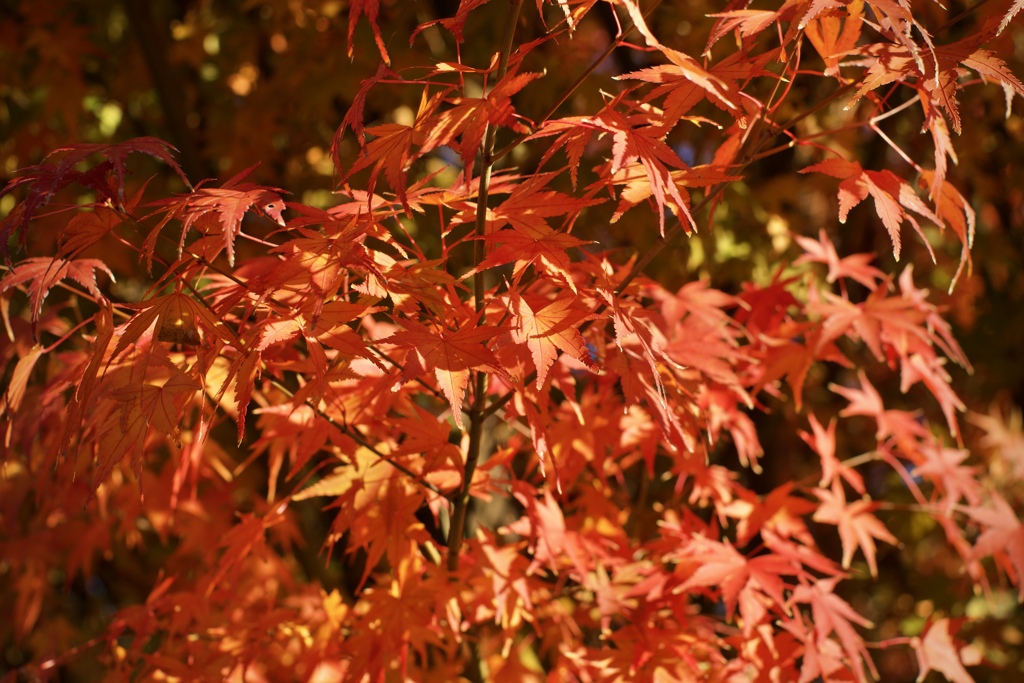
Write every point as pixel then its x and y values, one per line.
pixel 477 413
pixel 168 87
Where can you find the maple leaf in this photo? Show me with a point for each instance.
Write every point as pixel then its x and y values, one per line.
pixel 778 512
pixel 674 79
pixel 124 430
pixel 425 437
pixel 629 145
pixel 391 149
pixel 643 345
pixel 374 509
pixel 119 438
pixel 930 371
pixel 176 316
pixel 507 569
pixel 1002 537
pixel 855 266
pixel 887 63
pixel 351 477
pixel 988 65
pixel 684 86
pixel 857 526
pixel 763 308
pixel 242 540
pixel 454 24
pixel 85 229
pixel 637 187
pixel 832 614
pixel 50 177
pixel 907 326
pixel 942 465
pixel 160 404
pixel 531 200
pixel 645 145
pixel 332 327
pixel 1003 435
pixel 371 8
pixel 790 352
pixel 741 580
pixel 317 263
pixel 214 210
pixel 531 244
pixel 822 656
pixel 572 135
pixel 905 426
pixel 470 116
pixel 15 392
pixel 543 524
pixel 354 115
pixel 747 22
pixel 117 155
pixel 956 212
pixel 828 38
pixel 1015 8
pixel 451 355
pixel 937 650
pixel 891 194
pixel 103 320
pixel 549 329
pixel 824 444
pixel 939 331
pixel 42 274
pixel 937 77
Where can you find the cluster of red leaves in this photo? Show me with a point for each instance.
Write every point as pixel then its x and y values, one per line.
pixel 345 353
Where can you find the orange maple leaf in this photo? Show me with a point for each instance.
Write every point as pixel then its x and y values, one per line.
pixel 547 327
pixel 451 355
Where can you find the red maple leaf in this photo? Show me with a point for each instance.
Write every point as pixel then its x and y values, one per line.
pixel 956 212
pixel 42 274
pixel 451 355
pixel 391 149
pixel 528 245
pixel 823 442
pixel 858 528
pixel 176 316
pixel 371 8
pixel 742 580
pixel 642 146
pixel 470 116
pixel 907 428
pixel 854 266
pixel 217 210
pixel 893 196
pixel 778 512
pixel 832 614
pixel 85 229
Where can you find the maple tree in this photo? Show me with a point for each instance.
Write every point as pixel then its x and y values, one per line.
pixel 466 408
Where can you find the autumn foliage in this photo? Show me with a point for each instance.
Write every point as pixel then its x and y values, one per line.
pixel 474 415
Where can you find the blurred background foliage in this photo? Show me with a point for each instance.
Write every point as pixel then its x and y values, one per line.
pixel 232 84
